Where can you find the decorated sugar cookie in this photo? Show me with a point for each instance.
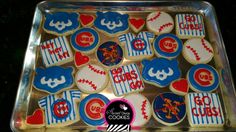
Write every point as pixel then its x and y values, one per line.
pixel 180 86
pixel 91 109
pixel 53 79
pixel 169 109
pixel 126 79
pixel 203 78
pixel 136 24
pixel 80 59
pixel 111 23
pixel 91 78
pixel 168 46
pixel 110 54
pixel 36 120
pixel 56 51
pixel 142 108
pixel 160 71
pixel 86 20
pixel 137 47
pixel 159 22
pixel 61 23
pixel 189 25
pixel 204 109
pixel 61 110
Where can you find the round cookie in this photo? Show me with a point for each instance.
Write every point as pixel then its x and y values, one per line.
pixel 203 78
pixel 85 40
pixel 159 22
pixel 142 108
pixel 169 109
pixel 197 51
pixel 167 46
pixel 91 109
pixel 91 78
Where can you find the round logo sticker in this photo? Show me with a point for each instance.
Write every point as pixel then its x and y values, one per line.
pixel 61 108
pixel 139 44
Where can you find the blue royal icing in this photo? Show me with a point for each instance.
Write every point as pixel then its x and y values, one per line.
pixel 53 79
pixel 61 22
pixel 160 71
pixel 203 78
pixel 91 109
pixel 169 108
pixel 111 22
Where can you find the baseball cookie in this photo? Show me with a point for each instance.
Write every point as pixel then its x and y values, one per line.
pixel 160 71
pixel 91 78
pixel 167 46
pixel 189 26
pixel 136 24
pixel 86 20
pixel 197 51
pixel 203 78
pixel 61 23
pixel 126 79
pixel 180 86
pixel 36 120
pixel 204 109
pixel 53 79
pixel 169 109
pixel 56 51
pixel 61 110
pixel 137 47
pixel 159 22
pixel 80 59
pixel 142 108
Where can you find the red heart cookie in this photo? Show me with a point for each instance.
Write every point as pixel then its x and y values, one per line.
pixel 137 24
pixel 80 59
pixel 180 86
pixel 37 118
pixel 86 20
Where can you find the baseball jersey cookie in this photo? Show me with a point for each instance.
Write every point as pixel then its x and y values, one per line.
pixel 61 110
pixel 111 23
pixel 86 20
pixel 169 109
pixel 56 51
pixel 142 108
pixel 53 79
pixel 180 86
pixel 197 51
pixel 159 22
pixel 126 79
pixel 167 46
pixel 204 109
pixel 203 78
pixel 61 23
pixel 91 109
pixel 136 24
pixel 36 120
pixel 85 40
pixel 189 25
pixel 160 71
pixel 91 78
pixel 137 47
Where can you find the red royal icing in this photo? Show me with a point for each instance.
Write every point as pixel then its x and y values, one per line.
pixel 137 22
pixel 36 118
pixel 80 59
pixel 86 19
pixel 168 45
pixel 94 108
pixel 203 77
pixel 181 85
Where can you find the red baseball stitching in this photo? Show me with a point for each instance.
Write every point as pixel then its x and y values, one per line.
pixel 96 70
pixel 164 26
pixel 143 109
pixel 205 46
pixel 90 83
pixel 194 52
pixel 155 17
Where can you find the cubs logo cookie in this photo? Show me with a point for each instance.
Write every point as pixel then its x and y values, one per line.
pixel 189 25
pixel 203 78
pixel 91 78
pixel 80 59
pixel 91 109
pixel 56 52
pixel 126 79
pixel 160 71
pixel 169 109
pixel 204 109
pixel 136 24
pixel 86 20
pixel 137 47
pixel 197 51
pixel 159 22
pixel 111 23
pixel 180 86
pixel 36 119
pixel 61 23
pixel 142 108
pixel 53 79
pixel 61 110
pixel 110 54
pixel 167 46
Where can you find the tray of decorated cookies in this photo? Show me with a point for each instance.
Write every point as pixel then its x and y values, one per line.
pixel 125 65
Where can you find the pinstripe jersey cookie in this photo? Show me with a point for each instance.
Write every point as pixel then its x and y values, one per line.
pixel 204 109
pixel 61 110
pixel 91 78
pixel 159 22
pixel 137 47
pixel 189 25
pixel 56 51
pixel 197 51
pixel 126 79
